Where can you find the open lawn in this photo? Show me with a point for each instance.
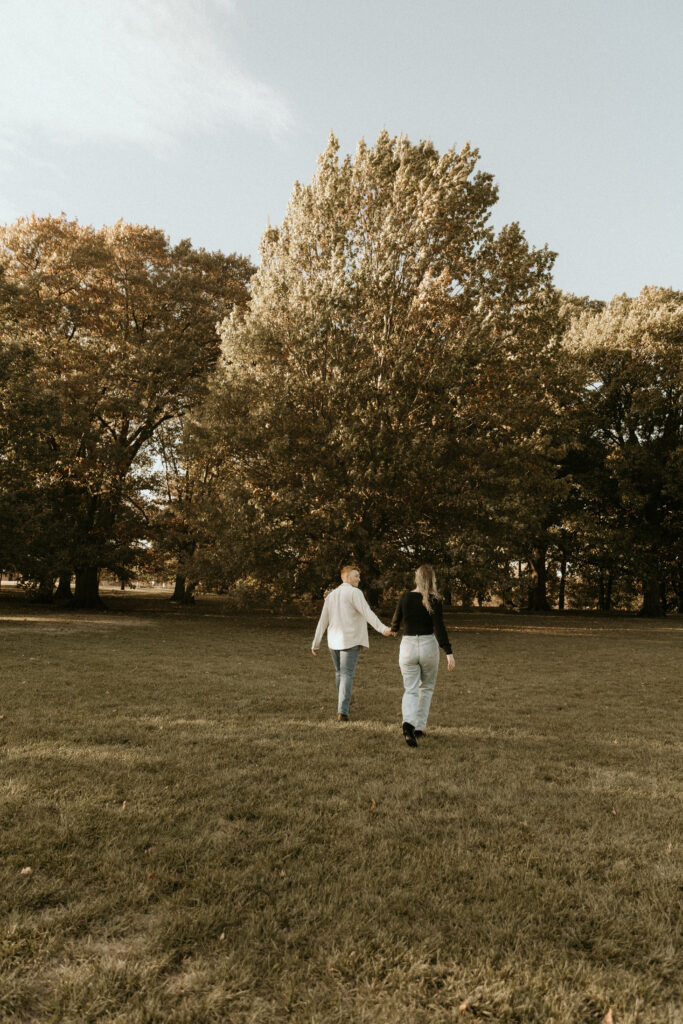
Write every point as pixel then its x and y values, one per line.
pixel 206 843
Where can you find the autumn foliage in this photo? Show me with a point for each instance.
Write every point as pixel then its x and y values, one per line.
pixel 396 382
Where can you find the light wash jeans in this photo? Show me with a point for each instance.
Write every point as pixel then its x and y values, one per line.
pixel 418 660
pixel 344 667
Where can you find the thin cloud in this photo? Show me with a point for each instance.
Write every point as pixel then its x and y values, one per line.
pixel 132 71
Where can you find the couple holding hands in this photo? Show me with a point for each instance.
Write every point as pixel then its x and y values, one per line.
pixel 345 616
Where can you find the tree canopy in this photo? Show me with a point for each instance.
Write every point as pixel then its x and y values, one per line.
pixel 119 330
pixel 381 392
pixel 398 382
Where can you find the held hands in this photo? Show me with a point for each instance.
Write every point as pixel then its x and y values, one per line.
pixel 314 652
pixel 451 662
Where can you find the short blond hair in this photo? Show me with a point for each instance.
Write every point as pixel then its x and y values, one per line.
pixel 347 569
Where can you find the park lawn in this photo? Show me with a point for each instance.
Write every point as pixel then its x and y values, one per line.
pixel 206 843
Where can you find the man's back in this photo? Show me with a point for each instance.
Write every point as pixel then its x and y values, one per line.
pixel 345 615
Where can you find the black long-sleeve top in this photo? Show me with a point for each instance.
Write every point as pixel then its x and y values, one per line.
pixel 417 621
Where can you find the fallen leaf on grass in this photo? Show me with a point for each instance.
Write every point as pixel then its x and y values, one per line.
pixel 221 937
pixel 465 1006
pixel 124 805
pixel 373 805
pixel 152 874
pixel 608 1018
pixel 283 874
pixel 613 811
pixel 26 871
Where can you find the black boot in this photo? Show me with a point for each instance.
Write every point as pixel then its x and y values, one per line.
pixel 409 734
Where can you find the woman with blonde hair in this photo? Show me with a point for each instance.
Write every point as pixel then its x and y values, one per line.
pixel 421 614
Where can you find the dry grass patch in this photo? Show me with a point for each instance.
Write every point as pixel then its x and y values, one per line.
pixel 207 844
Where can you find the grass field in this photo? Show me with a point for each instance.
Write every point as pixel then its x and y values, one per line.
pixel 207 844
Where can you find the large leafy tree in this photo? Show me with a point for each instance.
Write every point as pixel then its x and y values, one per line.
pixel 630 520
pixel 380 394
pixel 121 330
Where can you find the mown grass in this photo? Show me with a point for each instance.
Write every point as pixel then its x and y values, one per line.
pixel 207 844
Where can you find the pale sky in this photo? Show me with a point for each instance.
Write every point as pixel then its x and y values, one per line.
pixel 197 116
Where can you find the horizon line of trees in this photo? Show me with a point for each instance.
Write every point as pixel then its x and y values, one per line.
pixel 395 383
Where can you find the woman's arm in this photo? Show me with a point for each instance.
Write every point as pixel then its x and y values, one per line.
pixel 440 629
pixel 398 616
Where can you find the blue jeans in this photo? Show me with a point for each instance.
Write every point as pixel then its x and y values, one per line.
pixel 344 667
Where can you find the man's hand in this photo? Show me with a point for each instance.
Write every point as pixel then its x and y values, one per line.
pixel 451 662
pixel 314 652
pixel 387 632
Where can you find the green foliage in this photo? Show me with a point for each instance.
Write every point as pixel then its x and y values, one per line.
pixel 381 395
pixel 629 467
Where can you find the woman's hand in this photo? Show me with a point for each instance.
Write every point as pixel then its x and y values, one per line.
pixel 451 662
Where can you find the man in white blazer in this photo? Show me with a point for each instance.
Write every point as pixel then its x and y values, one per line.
pixel 345 616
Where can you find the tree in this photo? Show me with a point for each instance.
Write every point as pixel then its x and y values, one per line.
pixel 382 386
pixel 184 519
pixel 122 330
pixel 631 358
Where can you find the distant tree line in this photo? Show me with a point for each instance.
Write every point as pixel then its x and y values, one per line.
pixel 395 383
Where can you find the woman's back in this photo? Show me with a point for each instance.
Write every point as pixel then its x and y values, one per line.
pixel 416 620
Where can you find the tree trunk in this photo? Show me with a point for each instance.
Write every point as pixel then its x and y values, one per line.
pixel 678 587
pixel 601 591
pixel 88 589
pixel 538 595
pixel 63 591
pixel 179 591
pixel 184 592
pixel 44 595
pixel 563 575
pixel 608 591
pixel 652 606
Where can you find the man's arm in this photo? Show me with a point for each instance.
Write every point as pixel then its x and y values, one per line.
pixel 323 623
pixel 361 605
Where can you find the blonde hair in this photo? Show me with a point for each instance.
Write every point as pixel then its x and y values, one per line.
pixel 347 569
pixel 425 581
